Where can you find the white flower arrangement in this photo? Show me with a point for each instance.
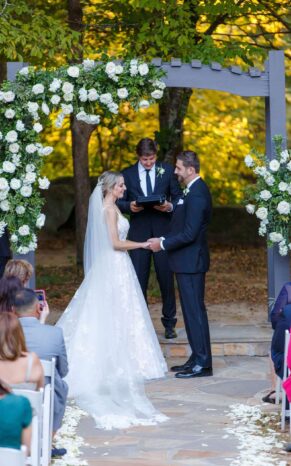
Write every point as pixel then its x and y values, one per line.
pixel 270 197
pixel 92 91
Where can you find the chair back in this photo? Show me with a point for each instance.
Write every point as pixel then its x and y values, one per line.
pixel 48 410
pixel 284 411
pixel 12 457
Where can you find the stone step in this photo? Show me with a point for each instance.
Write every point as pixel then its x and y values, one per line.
pixel 226 340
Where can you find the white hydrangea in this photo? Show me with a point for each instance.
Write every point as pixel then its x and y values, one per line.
pixel 38 89
pixel 55 85
pixel 283 248
pixel 275 237
pixel 265 195
pixel 29 178
pixel 113 107
pixel 157 94
pixel 5 206
pixel 8 167
pixel 45 108
pixel 16 159
pixel 24 230
pixel 15 183
pixel 270 180
pixel 106 98
pixel 89 119
pixel 284 156
pixel 20 126
pixel 30 167
pixel 119 69
pixel 133 71
pixel 23 250
pixel 67 109
pixel 73 71
pixel 249 161
pixel 40 221
pixel 283 186
pixel 283 208
pixel 274 165
pixel 83 94
pixel 93 95
pixel 262 229
pixel 144 104
pixel 24 71
pixel 20 209
pixel 67 88
pixel 9 113
pixel 55 99
pixel 159 84
pixel 2 227
pixel 122 92
pixel 88 64
pixel 59 121
pixel 47 150
pixel 262 213
pixel 31 148
pixel 11 136
pixel 26 191
pixel 32 107
pixel 14 148
pixel 68 97
pixel 250 208
pixel 8 96
pixel 37 127
pixel 261 171
pixel 3 184
pixel 133 62
pixel 110 68
pixel 289 189
pixel 4 194
pixel 14 238
pixel 43 183
pixel 143 69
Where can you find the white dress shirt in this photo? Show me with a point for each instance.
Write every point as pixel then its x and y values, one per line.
pixel 142 177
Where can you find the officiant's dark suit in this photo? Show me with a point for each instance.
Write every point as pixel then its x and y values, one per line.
pixel 5 252
pixel 151 222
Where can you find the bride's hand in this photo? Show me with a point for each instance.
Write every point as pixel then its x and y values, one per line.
pixel 146 245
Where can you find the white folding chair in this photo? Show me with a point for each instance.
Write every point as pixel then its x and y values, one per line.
pixel 36 400
pixel 285 412
pixel 48 411
pixel 12 457
pixel 278 390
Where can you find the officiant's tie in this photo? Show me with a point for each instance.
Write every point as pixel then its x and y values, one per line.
pixel 149 183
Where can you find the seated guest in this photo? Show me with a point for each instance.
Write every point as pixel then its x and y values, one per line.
pixel 278 340
pixel 48 342
pixel 8 288
pixel 284 297
pixel 19 268
pixel 5 252
pixel 18 367
pixel 16 416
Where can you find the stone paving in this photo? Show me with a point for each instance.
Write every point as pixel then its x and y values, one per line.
pixel 197 408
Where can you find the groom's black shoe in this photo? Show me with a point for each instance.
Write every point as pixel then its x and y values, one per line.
pixel 195 371
pixel 170 333
pixel 184 367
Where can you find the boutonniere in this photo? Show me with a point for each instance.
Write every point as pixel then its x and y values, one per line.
pixel 186 191
pixel 160 171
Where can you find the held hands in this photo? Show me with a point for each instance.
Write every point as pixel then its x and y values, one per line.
pixel 134 208
pixel 154 244
pixel 166 207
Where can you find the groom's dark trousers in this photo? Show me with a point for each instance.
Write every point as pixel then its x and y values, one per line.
pixel 187 248
pixel 151 223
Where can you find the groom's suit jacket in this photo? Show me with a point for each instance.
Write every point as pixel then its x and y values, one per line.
pixel 149 222
pixel 186 243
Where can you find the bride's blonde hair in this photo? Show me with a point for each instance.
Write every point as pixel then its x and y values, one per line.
pixel 108 180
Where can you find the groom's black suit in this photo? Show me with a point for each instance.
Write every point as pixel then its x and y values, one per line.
pixel 188 254
pixel 147 224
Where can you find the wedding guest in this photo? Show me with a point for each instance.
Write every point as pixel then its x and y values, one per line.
pixel 8 288
pixel 19 268
pixel 47 342
pixel 16 417
pixel 146 177
pixel 18 367
pixel 278 340
pixel 5 252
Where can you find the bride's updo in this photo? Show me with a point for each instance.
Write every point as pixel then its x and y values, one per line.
pixel 108 180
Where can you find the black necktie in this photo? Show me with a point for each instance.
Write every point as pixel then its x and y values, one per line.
pixel 148 182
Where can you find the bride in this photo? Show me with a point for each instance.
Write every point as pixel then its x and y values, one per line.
pixel 111 343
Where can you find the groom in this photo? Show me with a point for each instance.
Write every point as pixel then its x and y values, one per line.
pixel 144 178
pixel 186 245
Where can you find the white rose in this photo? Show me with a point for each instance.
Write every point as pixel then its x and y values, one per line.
pixel 133 62
pixel 5 206
pixel 23 230
pixel 270 180
pixel 67 88
pixel 8 96
pixel 106 98
pixel 73 71
pixel 45 108
pixel 289 189
pixel 289 166
pixel 15 183
pixel 262 229
pixel 68 97
pixel 55 85
pixel 275 237
pixel 14 148
pixel 283 208
pixel 8 167
pixel 14 238
pixel 133 70
pixel 265 195
pixel 3 184
pixel 26 191
pixel 157 94
pixel 122 93
pixel 88 64
pixel 250 208
pixel 110 68
pixel 23 250
pixel 262 171
pixel 119 69
pixel 262 213
pixel 10 113
pixel 24 71
pixel 284 156
pixel 37 127
pixel 38 89
pixel 20 126
pixel 32 246
pixel 55 99
pixel 31 148
pixel 32 107
pixel 59 121
pixel 40 221
pixel 20 210
pixel 4 194
pixel 16 159
pixel 43 183
pixel 11 136
pixel 30 177
pixel 159 84
pixel 47 150
pixel 67 109
pixel 83 95
pixel 30 167
pixel 113 107
pixel 144 104
pixel 282 186
pixel 94 119
pixel 143 69
pixel 249 161
pixel 274 165
pixel 92 95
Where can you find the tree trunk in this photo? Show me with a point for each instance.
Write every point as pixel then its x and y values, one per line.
pixel 81 133
pixel 172 111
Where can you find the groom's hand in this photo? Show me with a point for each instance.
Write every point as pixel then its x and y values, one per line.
pixel 166 207
pixel 134 208
pixel 155 244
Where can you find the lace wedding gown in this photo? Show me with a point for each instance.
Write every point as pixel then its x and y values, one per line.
pixel 111 343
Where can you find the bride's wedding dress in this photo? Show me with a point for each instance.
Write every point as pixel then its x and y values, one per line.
pixel 111 343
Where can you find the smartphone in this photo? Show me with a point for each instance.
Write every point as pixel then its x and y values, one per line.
pixel 40 296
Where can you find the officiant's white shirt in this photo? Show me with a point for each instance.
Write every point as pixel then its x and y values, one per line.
pixel 142 177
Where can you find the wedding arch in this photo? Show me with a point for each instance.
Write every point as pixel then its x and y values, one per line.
pixel 140 84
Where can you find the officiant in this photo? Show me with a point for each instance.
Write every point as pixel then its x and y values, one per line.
pixel 149 181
